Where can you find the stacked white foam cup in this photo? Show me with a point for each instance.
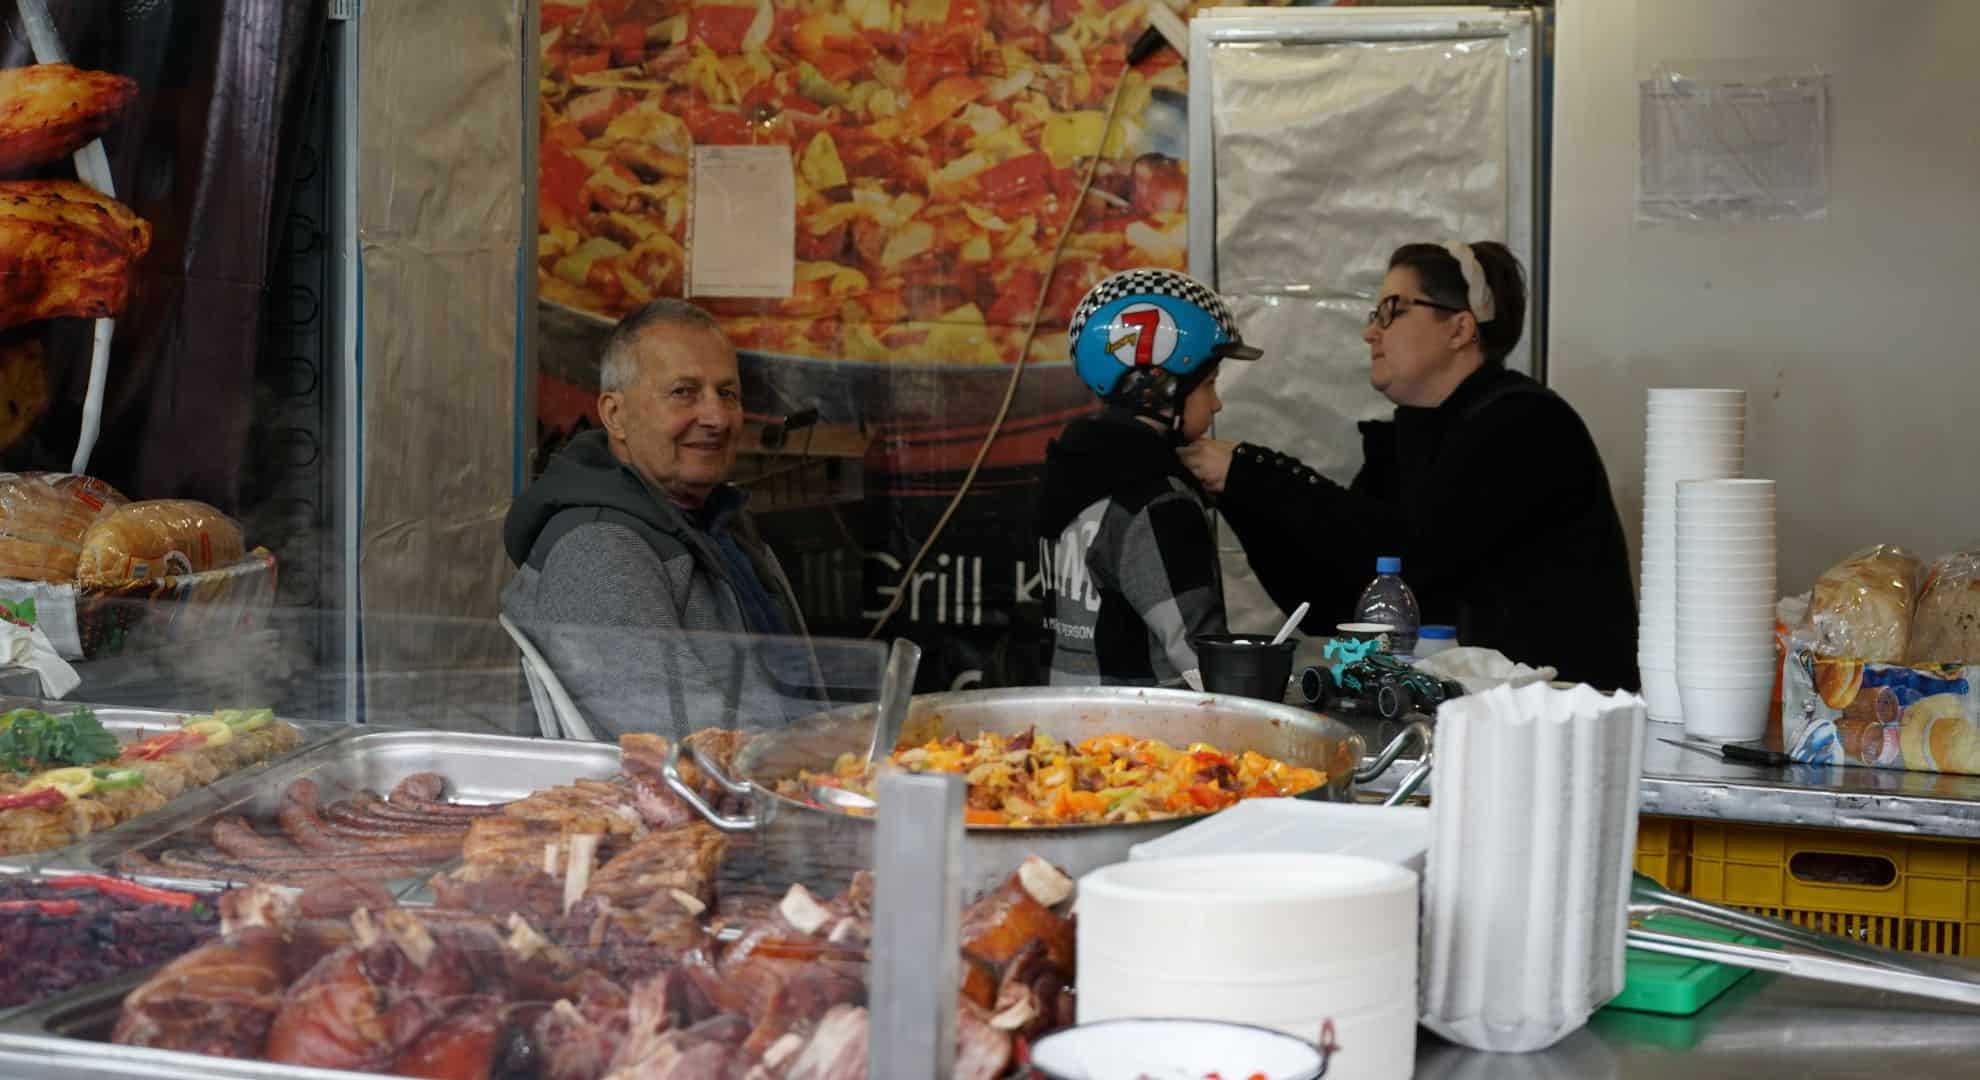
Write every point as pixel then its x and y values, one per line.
pixel 1292 942
pixel 1526 887
pixel 1690 434
pixel 1726 592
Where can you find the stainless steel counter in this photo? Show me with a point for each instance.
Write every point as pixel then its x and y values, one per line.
pixel 1763 1027
pixel 1685 783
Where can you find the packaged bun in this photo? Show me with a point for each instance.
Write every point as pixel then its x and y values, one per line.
pixel 43 518
pixel 1862 606
pixel 1946 628
pixel 163 538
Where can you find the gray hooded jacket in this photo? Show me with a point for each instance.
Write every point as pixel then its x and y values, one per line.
pixel 636 608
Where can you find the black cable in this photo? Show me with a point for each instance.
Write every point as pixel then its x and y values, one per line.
pixel 1148 44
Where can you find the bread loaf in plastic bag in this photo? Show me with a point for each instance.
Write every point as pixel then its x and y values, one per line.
pixel 43 518
pixel 162 538
pixel 1863 605
pixel 1946 627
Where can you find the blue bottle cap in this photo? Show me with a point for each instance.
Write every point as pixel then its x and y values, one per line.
pixel 1389 564
pixel 1436 632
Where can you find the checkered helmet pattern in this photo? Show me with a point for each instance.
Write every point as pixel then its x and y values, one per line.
pixel 1148 336
pixel 1151 282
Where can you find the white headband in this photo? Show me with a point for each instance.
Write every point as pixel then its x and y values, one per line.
pixel 1477 293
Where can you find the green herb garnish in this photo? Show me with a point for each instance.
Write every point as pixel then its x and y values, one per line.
pixel 31 740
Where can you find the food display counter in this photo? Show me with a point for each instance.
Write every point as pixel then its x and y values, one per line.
pixel 1764 1027
pixel 358 801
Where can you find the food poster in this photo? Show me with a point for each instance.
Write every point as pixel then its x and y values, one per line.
pixel 193 102
pixel 938 147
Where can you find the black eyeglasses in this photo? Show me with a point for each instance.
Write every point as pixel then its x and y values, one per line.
pixel 1385 313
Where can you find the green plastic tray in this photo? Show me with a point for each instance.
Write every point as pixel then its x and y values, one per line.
pixel 1677 985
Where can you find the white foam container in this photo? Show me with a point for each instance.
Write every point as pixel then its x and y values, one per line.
pixel 1527 885
pixel 1121 1049
pixel 1280 940
pixel 1267 915
pixel 1392 834
pixel 1375 1044
pixel 1158 983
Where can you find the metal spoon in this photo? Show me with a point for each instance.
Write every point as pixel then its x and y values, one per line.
pixel 840 798
pixel 896 692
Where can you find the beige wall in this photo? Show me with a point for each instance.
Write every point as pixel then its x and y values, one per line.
pixel 1852 335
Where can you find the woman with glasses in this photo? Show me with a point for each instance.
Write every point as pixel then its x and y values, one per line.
pixel 1486 483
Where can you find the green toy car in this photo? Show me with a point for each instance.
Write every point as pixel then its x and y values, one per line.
pixel 1362 677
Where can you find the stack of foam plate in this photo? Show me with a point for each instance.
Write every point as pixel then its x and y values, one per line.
pixel 1392 834
pixel 1689 434
pixel 1296 943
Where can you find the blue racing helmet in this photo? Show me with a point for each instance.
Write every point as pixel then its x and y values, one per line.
pixel 1138 325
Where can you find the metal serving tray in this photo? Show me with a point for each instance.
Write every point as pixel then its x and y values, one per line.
pixel 479 769
pixel 198 804
pixel 55 876
pixel 68 1036
pixel 43 1058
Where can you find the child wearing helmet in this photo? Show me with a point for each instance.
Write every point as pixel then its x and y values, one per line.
pixel 1130 570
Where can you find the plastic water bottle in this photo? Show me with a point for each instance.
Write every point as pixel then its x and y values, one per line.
pixel 1388 600
pixel 1433 639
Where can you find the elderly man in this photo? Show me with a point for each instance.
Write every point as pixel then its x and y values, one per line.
pixel 637 566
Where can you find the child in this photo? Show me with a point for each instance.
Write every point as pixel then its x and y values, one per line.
pixel 1130 570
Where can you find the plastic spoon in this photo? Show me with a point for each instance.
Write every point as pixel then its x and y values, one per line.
pixel 1291 621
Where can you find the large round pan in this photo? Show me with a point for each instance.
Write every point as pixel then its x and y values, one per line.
pixel 810 843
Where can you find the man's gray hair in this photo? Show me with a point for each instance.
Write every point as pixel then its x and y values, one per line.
pixel 618 363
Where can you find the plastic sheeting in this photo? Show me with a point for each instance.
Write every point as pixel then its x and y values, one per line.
pixel 441 211
pixel 1328 157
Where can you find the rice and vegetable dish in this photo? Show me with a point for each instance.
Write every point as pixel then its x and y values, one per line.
pixel 1034 779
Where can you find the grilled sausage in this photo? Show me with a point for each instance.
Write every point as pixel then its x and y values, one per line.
pixel 300 823
pixel 423 791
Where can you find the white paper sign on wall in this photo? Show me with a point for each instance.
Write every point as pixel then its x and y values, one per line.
pixel 742 238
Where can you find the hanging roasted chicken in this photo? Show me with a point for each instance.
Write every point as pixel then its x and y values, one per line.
pixel 48 111
pixel 66 249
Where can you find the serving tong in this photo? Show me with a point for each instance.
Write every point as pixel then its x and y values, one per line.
pixel 1795 951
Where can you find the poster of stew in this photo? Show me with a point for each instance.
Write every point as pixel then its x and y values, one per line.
pixel 938 148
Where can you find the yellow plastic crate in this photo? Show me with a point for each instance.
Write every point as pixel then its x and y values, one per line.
pixel 1661 846
pixel 1914 894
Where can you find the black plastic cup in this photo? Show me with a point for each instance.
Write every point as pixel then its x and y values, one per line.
pixel 1247 665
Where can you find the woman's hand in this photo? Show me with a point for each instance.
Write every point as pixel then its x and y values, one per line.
pixel 1210 461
